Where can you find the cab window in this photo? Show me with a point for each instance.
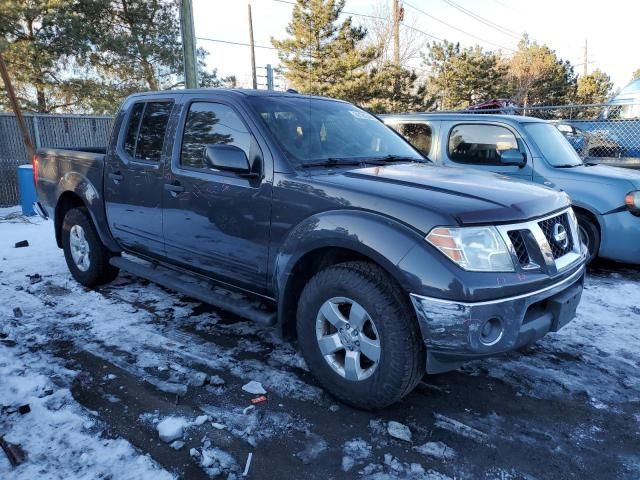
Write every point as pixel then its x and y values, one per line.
pixel 417 134
pixel 479 144
pixel 144 137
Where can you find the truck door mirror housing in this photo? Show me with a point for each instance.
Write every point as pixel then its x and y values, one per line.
pixel 512 157
pixel 228 158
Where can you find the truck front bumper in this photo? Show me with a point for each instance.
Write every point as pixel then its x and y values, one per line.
pixel 455 332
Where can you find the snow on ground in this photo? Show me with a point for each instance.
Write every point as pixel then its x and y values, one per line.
pixel 200 360
pixel 61 439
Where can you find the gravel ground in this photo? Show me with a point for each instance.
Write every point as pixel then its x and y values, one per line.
pixel 102 370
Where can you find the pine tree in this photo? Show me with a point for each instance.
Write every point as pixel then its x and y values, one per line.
pixel 593 88
pixel 537 76
pixel 41 40
pixel 392 89
pixel 87 55
pixel 460 77
pixel 326 56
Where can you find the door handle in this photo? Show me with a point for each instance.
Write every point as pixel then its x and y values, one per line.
pixel 116 177
pixel 173 189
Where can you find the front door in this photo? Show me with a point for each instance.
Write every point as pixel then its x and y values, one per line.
pixel 133 182
pixel 480 146
pixel 216 221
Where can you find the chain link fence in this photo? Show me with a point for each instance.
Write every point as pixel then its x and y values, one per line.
pixel 600 133
pixel 55 131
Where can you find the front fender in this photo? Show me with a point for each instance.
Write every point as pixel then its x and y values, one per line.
pixel 383 240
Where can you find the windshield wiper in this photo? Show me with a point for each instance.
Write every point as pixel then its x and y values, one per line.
pixel 568 165
pixel 395 158
pixel 330 162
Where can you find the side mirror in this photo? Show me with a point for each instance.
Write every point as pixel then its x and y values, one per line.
pixel 512 157
pixel 228 158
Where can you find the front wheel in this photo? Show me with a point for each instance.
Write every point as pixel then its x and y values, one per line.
pixel 590 236
pixel 359 336
pixel 87 258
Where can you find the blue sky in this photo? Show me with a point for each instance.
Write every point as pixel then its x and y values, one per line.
pixel 611 29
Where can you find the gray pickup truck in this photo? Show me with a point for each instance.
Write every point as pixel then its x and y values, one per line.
pixel 606 199
pixel 331 225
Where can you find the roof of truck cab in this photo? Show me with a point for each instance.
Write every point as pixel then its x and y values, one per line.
pixel 469 117
pixel 242 92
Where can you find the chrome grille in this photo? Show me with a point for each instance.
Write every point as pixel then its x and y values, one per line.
pixel 520 248
pixel 547 226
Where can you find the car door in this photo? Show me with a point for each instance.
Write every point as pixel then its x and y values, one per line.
pixel 482 146
pixel 217 221
pixel 421 134
pixel 133 176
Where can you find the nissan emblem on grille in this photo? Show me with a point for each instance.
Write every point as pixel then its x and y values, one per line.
pixel 560 235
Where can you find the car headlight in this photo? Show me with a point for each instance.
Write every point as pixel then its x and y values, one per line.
pixel 632 201
pixel 478 249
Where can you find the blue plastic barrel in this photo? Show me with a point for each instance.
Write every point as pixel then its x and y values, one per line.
pixel 27 189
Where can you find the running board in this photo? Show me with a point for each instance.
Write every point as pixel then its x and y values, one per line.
pixel 190 286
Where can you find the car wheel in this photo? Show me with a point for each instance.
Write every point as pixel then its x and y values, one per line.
pixel 589 235
pixel 359 335
pixel 87 258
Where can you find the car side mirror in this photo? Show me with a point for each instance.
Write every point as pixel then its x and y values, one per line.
pixel 228 158
pixel 512 157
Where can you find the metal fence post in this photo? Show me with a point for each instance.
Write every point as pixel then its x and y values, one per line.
pixel 36 131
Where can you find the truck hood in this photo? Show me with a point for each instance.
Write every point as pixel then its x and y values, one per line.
pixel 602 174
pixel 458 195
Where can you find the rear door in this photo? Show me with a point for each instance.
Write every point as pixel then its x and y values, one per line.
pixel 421 134
pixel 215 221
pixel 479 145
pixel 133 176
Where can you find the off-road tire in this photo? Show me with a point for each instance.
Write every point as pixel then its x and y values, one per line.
pixel 100 271
pixel 401 364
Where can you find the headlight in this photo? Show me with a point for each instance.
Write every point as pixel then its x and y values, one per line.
pixel 479 249
pixel 632 201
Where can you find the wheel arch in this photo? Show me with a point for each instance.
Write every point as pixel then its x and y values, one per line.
pixel 72 198
pixel 593 218
pixel 317 243
pixel 67 201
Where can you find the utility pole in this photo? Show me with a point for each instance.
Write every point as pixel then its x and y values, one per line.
pixel 269 77
pixel 188 44
pixel 586 58
pixel 22 125
pixel 396 31
pixel 253 52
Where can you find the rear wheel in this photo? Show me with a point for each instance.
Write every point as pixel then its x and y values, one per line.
pixel 358 335
pixel 86 256
pixel 589 235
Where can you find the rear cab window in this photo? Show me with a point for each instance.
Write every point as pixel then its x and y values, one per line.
pixel 146 128
pixel 419 134
pixel 480 144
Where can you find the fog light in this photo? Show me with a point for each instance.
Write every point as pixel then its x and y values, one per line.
pixel 491 332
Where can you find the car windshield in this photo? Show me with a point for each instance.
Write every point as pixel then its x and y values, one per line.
pixel 553 146
pixel 314 131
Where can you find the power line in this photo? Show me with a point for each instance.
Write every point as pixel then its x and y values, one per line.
pixel 458 29
pixel 344 12
pixel 234 43
pixel 483 20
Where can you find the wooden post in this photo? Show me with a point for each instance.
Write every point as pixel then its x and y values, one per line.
pixel 254 76
pixel 396 32
pixel 188 44
pixel 22 125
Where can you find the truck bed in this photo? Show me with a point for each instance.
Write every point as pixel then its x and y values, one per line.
pixel 72 170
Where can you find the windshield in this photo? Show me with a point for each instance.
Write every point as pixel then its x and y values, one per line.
pixel 311 130
pixel 554 147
